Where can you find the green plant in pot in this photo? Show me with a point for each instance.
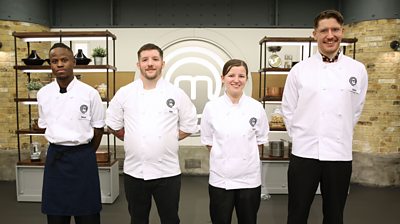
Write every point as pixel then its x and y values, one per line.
pixel 98 54
pixel 33 87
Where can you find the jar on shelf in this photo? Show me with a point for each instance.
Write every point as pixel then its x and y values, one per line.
pixel 35 151
pixel 288 61
pixel 35 123
pixel 102 89
pixel 277 122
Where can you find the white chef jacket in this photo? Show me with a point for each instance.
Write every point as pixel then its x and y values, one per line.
pixel 69 118
pixel 152 120
pixel 234 131
pixel 321 104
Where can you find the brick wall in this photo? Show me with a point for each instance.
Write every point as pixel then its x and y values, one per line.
pixel 8 138
pixel 377 135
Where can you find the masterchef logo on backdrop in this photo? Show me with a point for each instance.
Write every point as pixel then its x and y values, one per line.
pixel 196 70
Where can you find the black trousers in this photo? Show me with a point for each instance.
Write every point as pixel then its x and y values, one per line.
pixel 86 219
pixel 165 191
pixel 304 175
pixel 245 201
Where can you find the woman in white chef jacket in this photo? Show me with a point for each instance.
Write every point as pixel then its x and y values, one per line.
pixel 233 127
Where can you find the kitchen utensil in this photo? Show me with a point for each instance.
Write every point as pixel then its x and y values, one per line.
pixel 274 60
pixel 276 148
pixel 289 147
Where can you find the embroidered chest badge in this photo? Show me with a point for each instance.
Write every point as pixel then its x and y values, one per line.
pixel 253 121
pixel 83 109
pixel 170 104
pixel 353 82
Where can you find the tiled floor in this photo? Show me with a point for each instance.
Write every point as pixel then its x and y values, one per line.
pixel 365 205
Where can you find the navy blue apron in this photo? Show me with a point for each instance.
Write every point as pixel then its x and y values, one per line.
pixel 71 185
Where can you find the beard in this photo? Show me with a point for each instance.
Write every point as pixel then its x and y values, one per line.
pixel 152 76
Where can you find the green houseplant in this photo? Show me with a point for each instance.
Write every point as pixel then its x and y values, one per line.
pixel 33 86
pixel 98 54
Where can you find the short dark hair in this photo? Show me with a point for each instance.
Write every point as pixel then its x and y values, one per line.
pixel 327 14
pixel 234 63
pixel 150 46
pixel 61 45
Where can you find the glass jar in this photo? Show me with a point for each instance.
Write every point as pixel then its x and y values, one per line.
pixel 288 61
pixel 102 89
pixel 35 151
pixel 277 119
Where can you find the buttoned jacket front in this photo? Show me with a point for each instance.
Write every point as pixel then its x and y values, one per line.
pixel 321 104
pixel 234 131
pixel 69 118
pixel 152 120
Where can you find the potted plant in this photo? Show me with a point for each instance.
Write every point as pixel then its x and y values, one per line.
pixel 98 54
pixel 33 87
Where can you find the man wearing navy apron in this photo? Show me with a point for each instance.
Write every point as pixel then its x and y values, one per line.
pixel 73 116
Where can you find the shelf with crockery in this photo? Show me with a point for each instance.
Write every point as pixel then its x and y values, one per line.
pixel 77 68
pixel 36 67
pixel 277 56
pixel 273 70
pixel 29 171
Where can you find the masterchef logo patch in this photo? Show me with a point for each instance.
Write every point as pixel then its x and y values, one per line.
pixel 353 81
pixel 83 108
pixel 170 103
pixel 253 121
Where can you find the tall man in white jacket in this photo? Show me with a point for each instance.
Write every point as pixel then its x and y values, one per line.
pixel 151 115
pixel 322 102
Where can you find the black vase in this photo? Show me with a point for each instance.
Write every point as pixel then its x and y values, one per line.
pixel 34 55
pixel 81 59
pixel 80 54
pixel 33 59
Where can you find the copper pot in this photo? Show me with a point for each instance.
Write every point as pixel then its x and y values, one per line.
pixel 274 91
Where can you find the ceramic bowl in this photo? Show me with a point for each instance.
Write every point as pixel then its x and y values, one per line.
pixel 28 61
pixel 83 61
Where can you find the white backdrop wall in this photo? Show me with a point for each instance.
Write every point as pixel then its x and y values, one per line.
pixel 240 43
pixel 235 43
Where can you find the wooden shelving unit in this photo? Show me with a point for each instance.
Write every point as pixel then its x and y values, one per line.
pixel 30 173
pixel 274 169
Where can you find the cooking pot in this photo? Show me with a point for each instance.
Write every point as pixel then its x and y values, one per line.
pixel 274 91
pixel 276 148
pixel 289 148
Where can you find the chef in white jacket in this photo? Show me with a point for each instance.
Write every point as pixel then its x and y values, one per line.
pixel 234 127
pixel 151 115
pixel 322 102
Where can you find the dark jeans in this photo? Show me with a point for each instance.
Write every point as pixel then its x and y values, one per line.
pixel 304 175
pixel 86 219
pixel 165 192
pixel 245 201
